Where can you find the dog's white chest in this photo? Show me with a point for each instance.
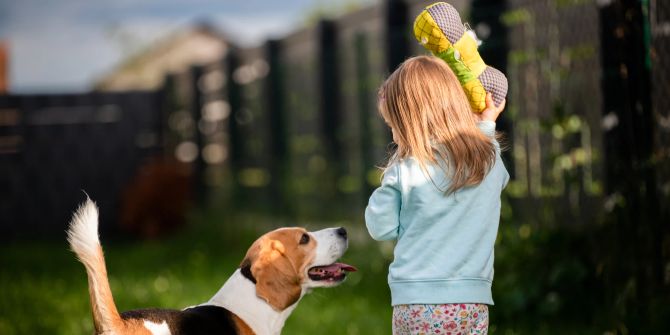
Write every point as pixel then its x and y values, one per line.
pixel 157 328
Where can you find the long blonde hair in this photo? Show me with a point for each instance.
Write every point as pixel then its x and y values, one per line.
pixel 425 106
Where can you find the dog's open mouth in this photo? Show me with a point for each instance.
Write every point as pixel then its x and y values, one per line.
pixel 333 272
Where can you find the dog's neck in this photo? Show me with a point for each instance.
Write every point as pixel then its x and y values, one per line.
pixel 238 295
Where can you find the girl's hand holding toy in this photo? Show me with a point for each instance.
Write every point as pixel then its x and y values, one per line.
pixel 440 30
pixel 492 111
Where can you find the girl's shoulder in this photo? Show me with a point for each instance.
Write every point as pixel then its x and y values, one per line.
pixel 404 165
pixel 411 172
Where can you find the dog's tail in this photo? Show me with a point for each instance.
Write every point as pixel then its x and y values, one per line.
pixel 83 238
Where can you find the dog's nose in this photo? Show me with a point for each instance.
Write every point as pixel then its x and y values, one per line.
pixel 342 232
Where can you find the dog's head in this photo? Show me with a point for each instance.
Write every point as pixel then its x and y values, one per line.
pixel 286 261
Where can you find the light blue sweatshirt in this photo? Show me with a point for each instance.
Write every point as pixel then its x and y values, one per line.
pixel 444 249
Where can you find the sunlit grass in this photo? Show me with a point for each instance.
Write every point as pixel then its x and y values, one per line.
pixel 539 282
pixel 44 288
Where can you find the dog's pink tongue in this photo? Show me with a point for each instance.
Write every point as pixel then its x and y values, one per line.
pixel 332 268
pixel 345 267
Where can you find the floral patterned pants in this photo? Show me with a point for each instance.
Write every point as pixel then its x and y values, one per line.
pixel 448 319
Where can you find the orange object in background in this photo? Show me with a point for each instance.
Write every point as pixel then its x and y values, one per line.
pixel 4 68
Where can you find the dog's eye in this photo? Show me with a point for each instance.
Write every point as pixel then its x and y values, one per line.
pixel 304 239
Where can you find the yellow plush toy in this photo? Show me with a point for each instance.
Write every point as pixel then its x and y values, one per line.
pixel 439 29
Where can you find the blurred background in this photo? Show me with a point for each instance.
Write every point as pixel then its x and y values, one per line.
pixel 198 125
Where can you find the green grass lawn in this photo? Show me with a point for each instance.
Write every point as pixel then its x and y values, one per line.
pixel 44 291
pixel 541 287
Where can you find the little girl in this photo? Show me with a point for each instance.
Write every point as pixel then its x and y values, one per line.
pixel 440 199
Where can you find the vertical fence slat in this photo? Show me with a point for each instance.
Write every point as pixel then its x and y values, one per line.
pixel 275 112
pixel 365 109
pixel 397 22
pixel 329 92
pixel 628 149
pixel 196 105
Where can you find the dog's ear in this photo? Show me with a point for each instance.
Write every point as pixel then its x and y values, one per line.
pixel 245 269
pixel 277 280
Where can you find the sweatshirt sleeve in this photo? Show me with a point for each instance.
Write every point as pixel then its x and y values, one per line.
pixel 383 211
pixel 489 129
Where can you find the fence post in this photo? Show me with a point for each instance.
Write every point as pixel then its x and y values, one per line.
pixel 329 81
pixel 199 165
pixel 397 33
pixel 167 107
pixel 274 100
pixel 628 146
pixel 485 20
pixel 659 12
pixel 396 20
pixel 235 140
pixel 365 108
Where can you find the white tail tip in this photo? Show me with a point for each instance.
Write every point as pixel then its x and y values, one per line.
pixel 83 232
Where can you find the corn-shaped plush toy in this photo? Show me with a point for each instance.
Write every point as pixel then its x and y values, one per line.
pixel 439 29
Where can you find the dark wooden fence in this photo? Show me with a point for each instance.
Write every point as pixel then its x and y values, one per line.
pixel 55 146
pixel 291 127
pixel 303 128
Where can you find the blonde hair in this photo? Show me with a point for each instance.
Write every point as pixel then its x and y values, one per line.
pixel 425 106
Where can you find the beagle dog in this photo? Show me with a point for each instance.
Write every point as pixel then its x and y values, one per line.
pixel 278 270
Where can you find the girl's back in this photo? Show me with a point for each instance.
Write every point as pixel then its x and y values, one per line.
pixel 439 198
pixel 444 240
